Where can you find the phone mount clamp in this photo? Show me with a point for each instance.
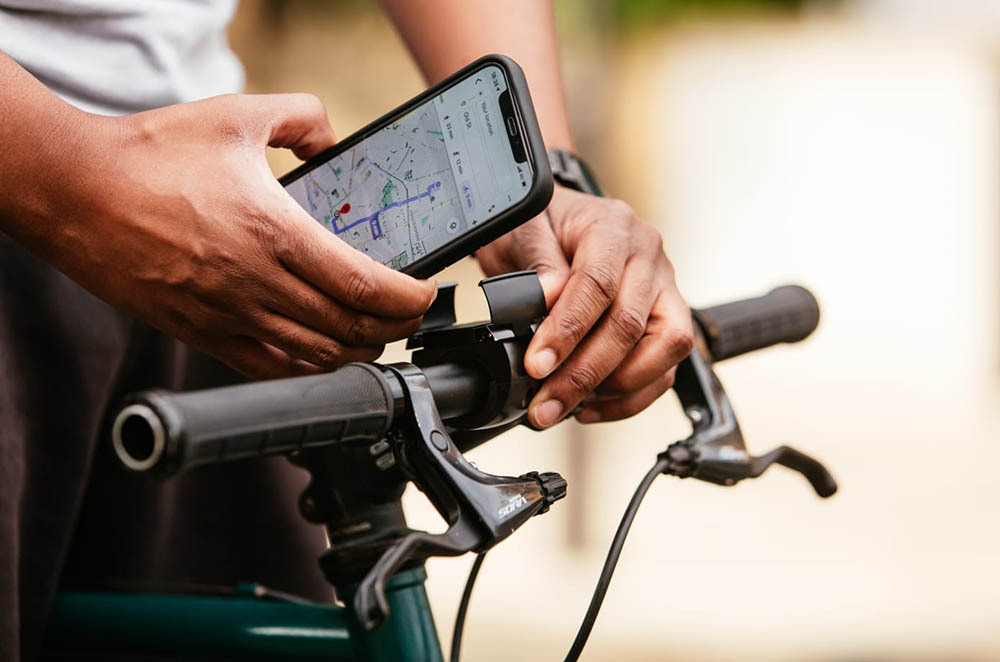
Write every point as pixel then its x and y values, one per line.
pixel 495 348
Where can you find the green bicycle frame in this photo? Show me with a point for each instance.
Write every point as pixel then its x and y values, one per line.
pixel 144 626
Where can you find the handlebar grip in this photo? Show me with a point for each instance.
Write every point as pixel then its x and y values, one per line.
pixel 171 432
pixel 786 314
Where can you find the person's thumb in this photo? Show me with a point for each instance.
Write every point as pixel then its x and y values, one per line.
pixel 295 121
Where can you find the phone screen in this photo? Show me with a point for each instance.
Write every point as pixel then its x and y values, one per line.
pixel 427 177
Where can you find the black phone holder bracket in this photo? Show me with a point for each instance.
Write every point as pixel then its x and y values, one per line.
pixel 495 348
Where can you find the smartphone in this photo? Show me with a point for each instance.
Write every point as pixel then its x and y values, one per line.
pixel 435 179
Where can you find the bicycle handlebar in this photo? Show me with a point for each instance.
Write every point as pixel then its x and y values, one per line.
pixel 393 417
pixel 171 432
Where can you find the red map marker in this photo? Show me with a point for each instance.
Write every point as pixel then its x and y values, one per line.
pixel 345 208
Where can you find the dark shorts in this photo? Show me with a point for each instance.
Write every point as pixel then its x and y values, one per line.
pixel 69 515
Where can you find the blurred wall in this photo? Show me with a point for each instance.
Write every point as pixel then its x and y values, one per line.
pixel 851 148
pixel 860 160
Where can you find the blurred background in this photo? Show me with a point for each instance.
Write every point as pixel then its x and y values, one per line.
pixel 852 147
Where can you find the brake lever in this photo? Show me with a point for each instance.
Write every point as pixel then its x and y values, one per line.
pixel 481 509
pixel 810 467
pixel 715 451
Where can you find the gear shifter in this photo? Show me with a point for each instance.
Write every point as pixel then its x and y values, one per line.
pixel 481 509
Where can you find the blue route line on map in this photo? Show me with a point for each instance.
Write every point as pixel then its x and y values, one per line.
pixel 373 218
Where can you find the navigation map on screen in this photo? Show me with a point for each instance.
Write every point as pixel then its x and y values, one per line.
pixel 424 179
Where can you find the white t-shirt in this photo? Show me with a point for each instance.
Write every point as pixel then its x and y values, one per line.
pixel 123 56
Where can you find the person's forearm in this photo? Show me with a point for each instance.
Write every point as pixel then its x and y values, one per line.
pixel 39 133
pixel 444 35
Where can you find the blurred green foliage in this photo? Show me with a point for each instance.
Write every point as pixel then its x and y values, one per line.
pixel 643 13
pixel 622 14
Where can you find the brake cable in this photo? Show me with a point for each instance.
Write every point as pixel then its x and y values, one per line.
pixel 603 582
pixel 463 607
pixel 617 543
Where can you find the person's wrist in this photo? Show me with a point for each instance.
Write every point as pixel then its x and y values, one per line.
pixel 62 177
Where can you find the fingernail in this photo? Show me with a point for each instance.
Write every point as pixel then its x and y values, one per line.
pixel 588 415
pixel 548 412
pixel 545 361
pixel 435 296
pixel 548 281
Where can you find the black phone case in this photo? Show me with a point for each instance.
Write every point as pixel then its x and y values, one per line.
pixel 530 206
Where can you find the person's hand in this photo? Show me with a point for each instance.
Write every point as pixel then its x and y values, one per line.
pixel 174 217
pixel 617 327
